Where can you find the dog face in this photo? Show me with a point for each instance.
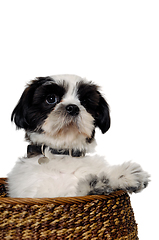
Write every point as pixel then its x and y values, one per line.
pixel 61 111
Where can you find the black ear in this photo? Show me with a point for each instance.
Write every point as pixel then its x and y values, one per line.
pixel 19 114
pixel 103 117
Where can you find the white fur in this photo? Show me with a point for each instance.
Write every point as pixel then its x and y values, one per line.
pixel 57 178
pixel 61 176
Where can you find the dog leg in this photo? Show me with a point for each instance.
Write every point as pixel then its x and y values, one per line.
pixel 128 176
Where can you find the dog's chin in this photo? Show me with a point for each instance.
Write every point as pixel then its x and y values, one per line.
pixel 68 130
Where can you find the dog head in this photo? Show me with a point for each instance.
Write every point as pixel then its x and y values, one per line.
pixel 61 111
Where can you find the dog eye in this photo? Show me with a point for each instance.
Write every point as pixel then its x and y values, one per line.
pixel 51 99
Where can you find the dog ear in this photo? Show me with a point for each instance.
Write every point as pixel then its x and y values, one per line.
pixel 20 112
pixel 102 115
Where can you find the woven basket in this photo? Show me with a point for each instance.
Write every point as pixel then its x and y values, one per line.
pixel 90 217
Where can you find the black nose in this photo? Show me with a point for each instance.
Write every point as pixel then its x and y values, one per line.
pixel 72 109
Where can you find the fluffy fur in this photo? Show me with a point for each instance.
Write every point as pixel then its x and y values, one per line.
pixel 62 112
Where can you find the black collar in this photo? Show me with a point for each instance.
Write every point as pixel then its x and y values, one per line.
pixel 34 150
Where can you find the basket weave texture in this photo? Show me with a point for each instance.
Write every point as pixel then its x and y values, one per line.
pixel 92 217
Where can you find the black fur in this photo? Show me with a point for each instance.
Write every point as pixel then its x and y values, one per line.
pixel 32 108
pixel 102 117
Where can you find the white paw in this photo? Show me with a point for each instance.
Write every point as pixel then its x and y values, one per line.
pixel 131 177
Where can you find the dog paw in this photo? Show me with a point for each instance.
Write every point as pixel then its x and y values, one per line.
pixel 94 185
pixel 132 178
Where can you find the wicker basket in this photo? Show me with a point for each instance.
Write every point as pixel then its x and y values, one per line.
pixel 91 217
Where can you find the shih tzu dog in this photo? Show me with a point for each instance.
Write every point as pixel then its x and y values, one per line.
pixel 59 115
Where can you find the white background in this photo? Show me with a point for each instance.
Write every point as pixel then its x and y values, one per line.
pixel 113 43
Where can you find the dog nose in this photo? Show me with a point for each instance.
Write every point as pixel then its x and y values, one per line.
pixel 72 109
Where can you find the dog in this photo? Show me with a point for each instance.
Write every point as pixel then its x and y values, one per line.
pixel 59 115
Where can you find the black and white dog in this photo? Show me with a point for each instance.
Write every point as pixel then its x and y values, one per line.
pixel 60 114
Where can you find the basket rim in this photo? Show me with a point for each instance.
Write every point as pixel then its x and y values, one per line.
pixel 58 200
